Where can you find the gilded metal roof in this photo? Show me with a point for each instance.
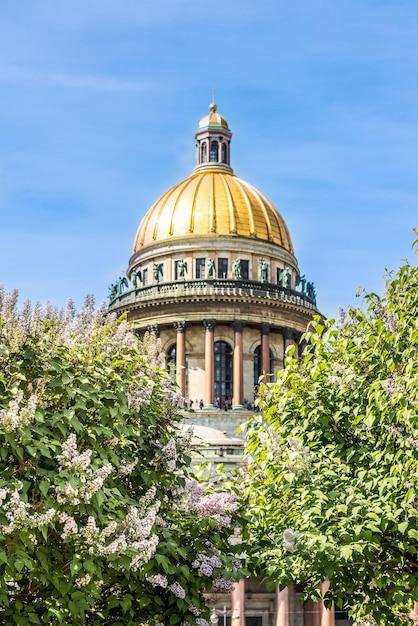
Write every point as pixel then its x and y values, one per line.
pixel 213 118
pixel 213 202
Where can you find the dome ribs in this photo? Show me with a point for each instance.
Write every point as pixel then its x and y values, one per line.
pixel 266 215
pixel 240 186
pixel 163 203
pixel 183 188
pixel 212 212
pixel 231 208
pixel 193 204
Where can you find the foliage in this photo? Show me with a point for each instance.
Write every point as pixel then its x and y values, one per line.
pixel 100 521
pixel 333 460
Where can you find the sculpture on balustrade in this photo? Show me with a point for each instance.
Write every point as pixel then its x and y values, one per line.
pixel 310 292
pixel 117 289
pixel 287 278
pixel 113 292
pixel 263 270
pixel 210 268
pixel 181 268
pixel 122 284
pixel 135 277
pixel 157 271
pixel 236 268
pixel 301 280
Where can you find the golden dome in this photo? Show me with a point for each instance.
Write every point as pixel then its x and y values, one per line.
pixel 213 119
pixel 212 202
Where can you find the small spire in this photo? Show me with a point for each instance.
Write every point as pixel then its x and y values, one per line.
pixel 212 106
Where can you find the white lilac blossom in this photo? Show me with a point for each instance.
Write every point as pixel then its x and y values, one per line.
pixel 158 580
pixel 397 431
pixel 378 308
pixel 175 398
pixel 18 513
pixel 70 456
pixel 201 621
pixel 345 320
pixel 82 582
pixel 368 620
pixel 140 397
pixel 218 505
pixel 134 532
pixel 289 539
pixel 299 456
pixel 390 386
pixel 90 483
pixel 391 323
pixel 70 525
pixel 127 468
pixel 169 453
pixel 185 438
pixel 177 590
pixel 206 564
pixel 18 413
pixel 223 585
pixel 194 610
pixel 335 380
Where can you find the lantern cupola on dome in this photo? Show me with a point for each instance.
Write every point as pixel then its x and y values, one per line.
pixel 213 139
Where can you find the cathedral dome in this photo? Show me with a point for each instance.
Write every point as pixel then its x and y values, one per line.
pixel 213 202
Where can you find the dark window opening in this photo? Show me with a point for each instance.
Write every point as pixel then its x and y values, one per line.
pixel 214 152
pixel 203 156
pixel 171 364
pixel 200 268
pixel 257 364
pixel 245 271
pixel 253 620
pixel 171 361
pixel 222 268
pixel 223 371
pixel 224 160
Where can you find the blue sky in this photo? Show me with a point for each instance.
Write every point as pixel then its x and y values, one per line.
pixel 100 99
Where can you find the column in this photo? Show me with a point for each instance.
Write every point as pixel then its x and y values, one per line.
pixel 312 613
pixel 327 616
pixel 238 367
pixel 287 338
pixel 265 350
pixel 181 357
pixel 282 606
pixel 238 604
pixel 209 363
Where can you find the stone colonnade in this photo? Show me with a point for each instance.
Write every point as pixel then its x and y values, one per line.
pixel 314 614
pixel 238 373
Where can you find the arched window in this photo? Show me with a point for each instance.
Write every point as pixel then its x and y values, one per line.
pixel 223 371
pixel 171 360
pixel 171 364
pixel 203 153
pixel 213 151
pixel 257 364
pixel 224 153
